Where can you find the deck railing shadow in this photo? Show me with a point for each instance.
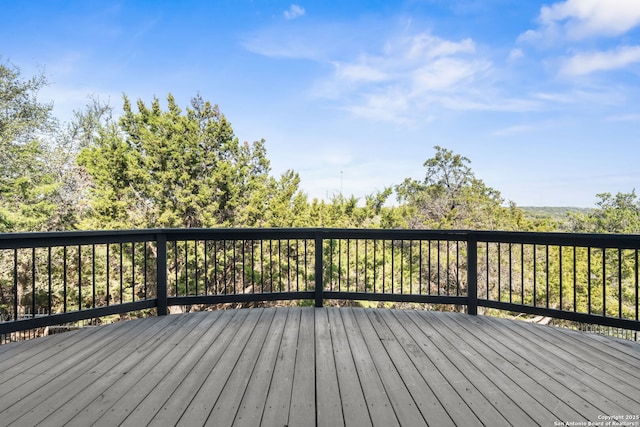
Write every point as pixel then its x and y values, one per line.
pixel 66 277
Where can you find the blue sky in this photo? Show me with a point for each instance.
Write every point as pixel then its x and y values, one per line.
pixel 544 98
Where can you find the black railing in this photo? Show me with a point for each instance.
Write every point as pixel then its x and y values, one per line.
pixel 74 276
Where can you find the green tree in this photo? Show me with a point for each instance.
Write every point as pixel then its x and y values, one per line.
pixel 450 196
pixel 158 168
pixel 27 184
pixel 71 197
pixel 614 214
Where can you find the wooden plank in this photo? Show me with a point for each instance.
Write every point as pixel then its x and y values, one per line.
pixel 160 369
pixel 403 404
pixel 380 407
pixel 628 347
pixel 354 406
pixel 25 349
pixel 226 407
pixel 411 342
pixel 302 410
pixel 328 403
pixel 505 401
pixel 170 380
pixel 540 396
pixel 253 402
pixel 426 400
pixel 278 397
pixel 198 410
pixel 194 383
pixel 119 372
pixel 40 354
pixel 568 359
pixel 111 405
pixel 49 384
pixel 600 353
pixel 439 354
pixel 35 388
pixel 591 381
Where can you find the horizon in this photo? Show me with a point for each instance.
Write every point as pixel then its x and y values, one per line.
pixel 542 98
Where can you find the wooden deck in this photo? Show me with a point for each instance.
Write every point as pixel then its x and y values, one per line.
pixel 319 366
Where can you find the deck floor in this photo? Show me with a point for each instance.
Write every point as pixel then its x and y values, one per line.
pixel 319 366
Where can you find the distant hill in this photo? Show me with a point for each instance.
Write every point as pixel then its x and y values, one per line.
pixel 557 213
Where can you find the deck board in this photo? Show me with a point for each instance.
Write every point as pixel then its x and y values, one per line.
pixel 252 405
pixel 191 385
pixel 409 338
pixel 200 408
pixel 422 394
pixel 542 365
pixel 169 381
pixel 54 381
pixel 400 397
pixel 586 349
pixel 594 384
pixel 318 366
pixel 550 394
pixel 378 403
pixel 278 397
pixel 477 391
pixel 226 407
pixel 353 403
pixel 540 404
pixel 328 403
pixel 120 372
pixel 302 409
pixel 115 406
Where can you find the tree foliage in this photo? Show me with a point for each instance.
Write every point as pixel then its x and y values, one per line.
pixel 450 196
pixel 614 214
pixel 158 168
pixel 27 185
pixel 165 167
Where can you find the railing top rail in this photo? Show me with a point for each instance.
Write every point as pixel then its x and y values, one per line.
pixel 61 238
pixel 624 241
pixel 310 233
pixel 44 239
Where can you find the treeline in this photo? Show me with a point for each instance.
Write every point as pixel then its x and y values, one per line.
pixel 167 167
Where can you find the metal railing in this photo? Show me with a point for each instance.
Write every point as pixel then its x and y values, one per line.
pixel 75 276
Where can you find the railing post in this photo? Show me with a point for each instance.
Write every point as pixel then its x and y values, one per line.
pixel 161 274
pixel 318 269
pixel 472 275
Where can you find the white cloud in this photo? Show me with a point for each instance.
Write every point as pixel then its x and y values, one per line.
pixel 359 72
pixel 485 102
pixel 321 42
pixel 515 54
pixel 598 24
pixel 590 62
pixel 623 118
pixel 512 130
pixel 606 95
pixel 425 46
pixel 388 105
pixel 293 12
pixel 446 74
pixel 582 19
pixel 405 77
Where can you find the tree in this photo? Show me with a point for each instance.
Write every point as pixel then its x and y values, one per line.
pixel 450 196
pixel 27 184
pixel 614 214
pixel 158 168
